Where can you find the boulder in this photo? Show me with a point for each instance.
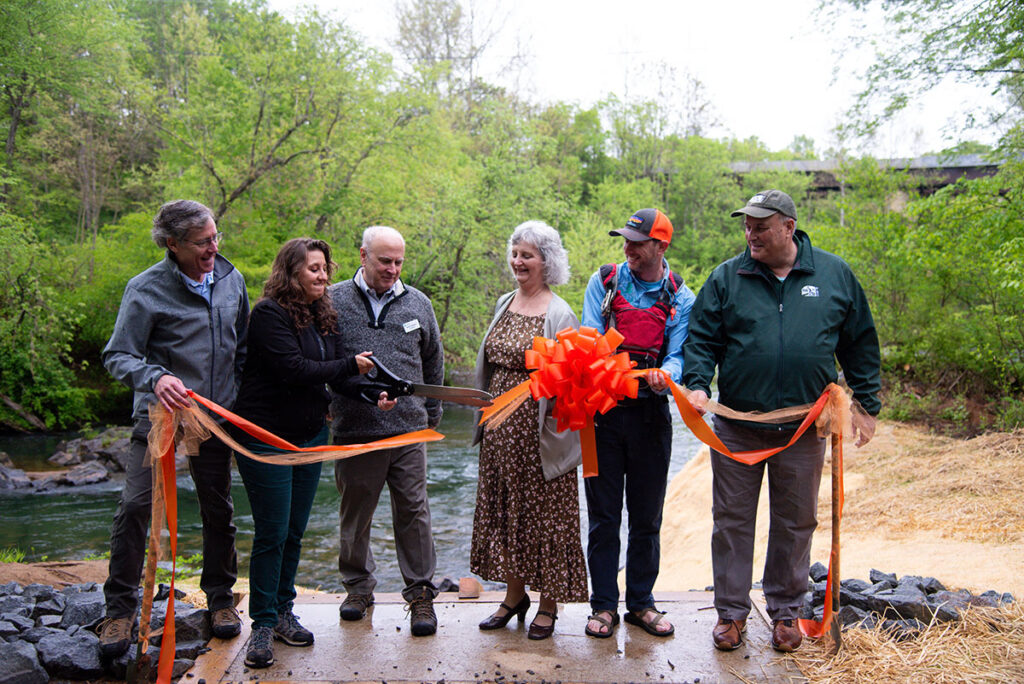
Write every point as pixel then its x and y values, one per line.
pixel 71 656
pixel 5 460
pixel 14 478
pixel 876 576
pixel 15 605
pixel 54 606
pixel 22 623
pixel 852 616
pixel 36 633
pixel 818 572
pixel 19 664
pixel 83 609
pixel 11 589
pixel 87 473
pixel 48 620
pixel 64 459
pixel 39 592
pixel 857 585
pixel 904 602
pixel 8 629
pixel 190 623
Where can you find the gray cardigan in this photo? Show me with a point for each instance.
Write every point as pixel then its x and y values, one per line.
pixel 406 339
pixel 559 451
pixel 164 327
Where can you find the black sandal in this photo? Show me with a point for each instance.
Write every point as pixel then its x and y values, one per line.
pixel 597 617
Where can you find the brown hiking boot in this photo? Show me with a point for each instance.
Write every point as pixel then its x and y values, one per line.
pixel 786 636
pixel 225 623
pixel 726 634
pixel 115 635
pixel 421 614
pixel 354 606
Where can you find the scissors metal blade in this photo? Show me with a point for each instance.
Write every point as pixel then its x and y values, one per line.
pixel 459 395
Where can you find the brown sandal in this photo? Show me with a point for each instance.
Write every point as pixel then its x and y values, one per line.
pixel 610 624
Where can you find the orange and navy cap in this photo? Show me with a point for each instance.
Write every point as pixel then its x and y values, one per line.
pixel 646 224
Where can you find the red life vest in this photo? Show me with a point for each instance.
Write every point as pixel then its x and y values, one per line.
pixel 645 330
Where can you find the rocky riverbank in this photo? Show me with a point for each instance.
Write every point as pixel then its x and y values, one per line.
pixel 76 462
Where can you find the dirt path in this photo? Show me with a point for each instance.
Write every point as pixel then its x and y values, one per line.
pixel 916 504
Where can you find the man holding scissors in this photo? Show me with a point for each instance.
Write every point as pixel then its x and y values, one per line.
pixel 377 311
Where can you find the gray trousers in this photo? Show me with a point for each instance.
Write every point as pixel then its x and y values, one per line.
pixel 360 480
pixel 793 478
pixel 211 473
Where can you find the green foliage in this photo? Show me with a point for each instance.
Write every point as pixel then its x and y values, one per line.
pixel 11 554
pixel 977 42
pixel 186 566
pixel 290 127
pixel 36 330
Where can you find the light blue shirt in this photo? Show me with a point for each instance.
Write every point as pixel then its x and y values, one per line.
pixel 200 287
pixel 643 295
pixel 377 301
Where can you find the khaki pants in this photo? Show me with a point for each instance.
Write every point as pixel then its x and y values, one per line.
pixel 360 480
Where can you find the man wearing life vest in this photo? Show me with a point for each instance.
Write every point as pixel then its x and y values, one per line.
pixel 774 320
pixel 650 306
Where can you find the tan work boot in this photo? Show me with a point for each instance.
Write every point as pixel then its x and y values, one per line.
pixel 225 622
pixel 115 635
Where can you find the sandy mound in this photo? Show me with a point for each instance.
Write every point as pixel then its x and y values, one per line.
pixel 58 575
pixel 916 504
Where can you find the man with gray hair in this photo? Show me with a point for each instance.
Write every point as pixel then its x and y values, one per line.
pixel 182 325
pixel 377 311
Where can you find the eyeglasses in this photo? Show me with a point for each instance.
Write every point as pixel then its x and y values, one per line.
pixel 203 244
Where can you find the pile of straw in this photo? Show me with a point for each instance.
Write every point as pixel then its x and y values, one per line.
pixel 987 645
pixel 967 490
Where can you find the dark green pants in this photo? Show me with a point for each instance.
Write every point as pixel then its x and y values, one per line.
pixel 281 497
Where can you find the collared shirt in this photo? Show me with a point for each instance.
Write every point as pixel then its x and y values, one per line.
pixel 643 295
pixel 377 301
pixel 201 287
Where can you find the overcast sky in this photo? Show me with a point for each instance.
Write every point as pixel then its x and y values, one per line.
pixel 767 67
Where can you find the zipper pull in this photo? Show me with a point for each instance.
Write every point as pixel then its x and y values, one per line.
pixel 780 307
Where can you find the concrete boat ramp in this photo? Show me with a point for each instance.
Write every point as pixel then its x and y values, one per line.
pixel 380 648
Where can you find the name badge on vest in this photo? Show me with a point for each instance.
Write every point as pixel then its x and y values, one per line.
pixel 409 326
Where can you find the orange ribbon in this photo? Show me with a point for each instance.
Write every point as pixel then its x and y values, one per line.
pixel 578 371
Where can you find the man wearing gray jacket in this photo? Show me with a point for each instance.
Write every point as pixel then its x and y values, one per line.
pixel 377 311
pixel 181 325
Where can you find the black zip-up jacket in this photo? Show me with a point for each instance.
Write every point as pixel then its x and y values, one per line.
pixel 286 371
pixel 776 343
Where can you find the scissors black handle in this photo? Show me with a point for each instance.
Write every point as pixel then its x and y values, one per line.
pixel 380 379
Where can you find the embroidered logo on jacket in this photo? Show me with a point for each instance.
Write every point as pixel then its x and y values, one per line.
pixel 809 290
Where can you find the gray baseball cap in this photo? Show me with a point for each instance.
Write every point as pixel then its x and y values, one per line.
pixel 768 202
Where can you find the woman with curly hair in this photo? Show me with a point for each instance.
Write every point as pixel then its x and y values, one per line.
pixel 294 344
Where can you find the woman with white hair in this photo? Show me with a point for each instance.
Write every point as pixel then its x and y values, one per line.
pixel 526 529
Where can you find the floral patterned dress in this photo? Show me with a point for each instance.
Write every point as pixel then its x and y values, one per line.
pixel 524 526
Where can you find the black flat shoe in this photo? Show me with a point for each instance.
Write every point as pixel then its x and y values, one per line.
pixel 498 621
pixel 537 632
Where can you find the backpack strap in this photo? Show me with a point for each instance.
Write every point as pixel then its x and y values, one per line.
pixel 609 274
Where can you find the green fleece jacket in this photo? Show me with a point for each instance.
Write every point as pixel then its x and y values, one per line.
pixel 775 343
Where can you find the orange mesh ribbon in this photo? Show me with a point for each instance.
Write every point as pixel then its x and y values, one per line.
pixel 191 426
pixel 579 371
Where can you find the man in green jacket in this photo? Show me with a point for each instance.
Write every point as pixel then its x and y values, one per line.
pixel 774 321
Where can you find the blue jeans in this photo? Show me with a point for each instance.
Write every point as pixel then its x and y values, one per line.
pixel 634 446
pixel 281 497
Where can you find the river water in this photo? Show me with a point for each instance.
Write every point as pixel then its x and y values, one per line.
pixel 74 523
